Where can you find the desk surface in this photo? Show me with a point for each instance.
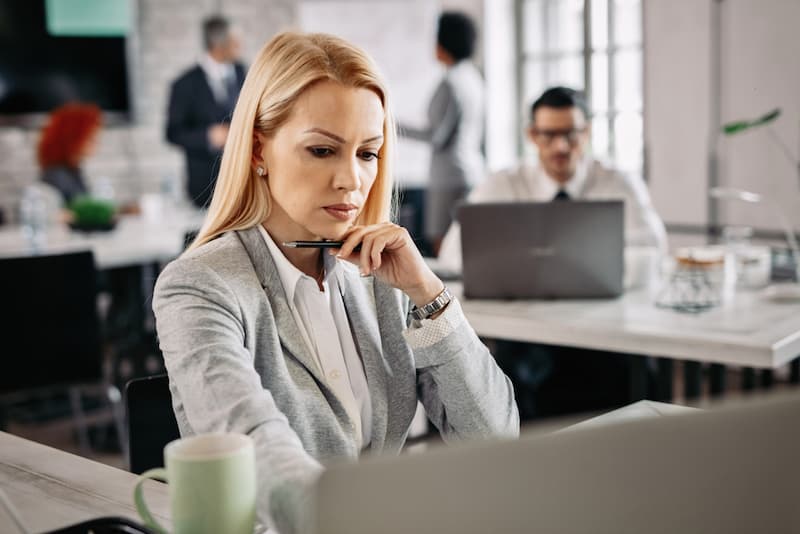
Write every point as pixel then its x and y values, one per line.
pixel 51 488
pixel 751 330
pixel 643 409
pixel 135 240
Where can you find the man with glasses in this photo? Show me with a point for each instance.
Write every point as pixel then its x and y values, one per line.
pixel 559 129
pixel 550 380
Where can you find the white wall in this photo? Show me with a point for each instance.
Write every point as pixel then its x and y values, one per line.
pixel 759 71
pixel 676 106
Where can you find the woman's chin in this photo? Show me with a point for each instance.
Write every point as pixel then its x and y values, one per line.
pixel 330 232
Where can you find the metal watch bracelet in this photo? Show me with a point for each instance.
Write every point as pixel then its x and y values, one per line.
pixel 425 311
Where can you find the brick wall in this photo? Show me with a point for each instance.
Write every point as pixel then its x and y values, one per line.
pixel 165 42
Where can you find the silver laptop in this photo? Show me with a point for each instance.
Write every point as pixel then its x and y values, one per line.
pixel 569 249
pixel 713 471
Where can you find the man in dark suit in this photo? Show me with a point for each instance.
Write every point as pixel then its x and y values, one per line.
pixel 200 106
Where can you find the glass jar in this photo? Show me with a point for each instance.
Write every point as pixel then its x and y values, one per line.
pixel 752 263
pixel 703 278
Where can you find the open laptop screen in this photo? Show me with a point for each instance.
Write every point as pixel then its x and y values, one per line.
pixel 542 249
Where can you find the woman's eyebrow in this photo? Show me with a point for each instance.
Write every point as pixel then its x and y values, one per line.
pixel 339 139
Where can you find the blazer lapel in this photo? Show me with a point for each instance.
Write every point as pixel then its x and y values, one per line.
pixel 359 303
pixel 288 331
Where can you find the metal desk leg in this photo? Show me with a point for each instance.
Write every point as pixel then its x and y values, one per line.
pixel 638 381
pixel 664 380
pixel 693 379
pixel 748 379
pixel 716 379
pixel 767 378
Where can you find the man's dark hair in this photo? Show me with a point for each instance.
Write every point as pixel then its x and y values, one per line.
pixel 560 98
pixel 456 34
pixel 216 30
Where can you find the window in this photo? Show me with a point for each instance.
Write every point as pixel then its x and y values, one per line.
pixel 595 45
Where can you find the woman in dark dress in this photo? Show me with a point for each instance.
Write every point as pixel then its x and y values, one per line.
pixel 68 138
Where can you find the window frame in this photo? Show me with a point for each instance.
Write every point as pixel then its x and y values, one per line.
pixel 551 53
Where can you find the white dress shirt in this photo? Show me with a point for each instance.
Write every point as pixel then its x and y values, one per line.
pixel 592 181
pixel 322 320
pixel 217 75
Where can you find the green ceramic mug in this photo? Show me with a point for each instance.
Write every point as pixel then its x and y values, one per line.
pixel 212 485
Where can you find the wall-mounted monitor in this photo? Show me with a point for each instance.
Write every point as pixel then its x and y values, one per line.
pixel 57 51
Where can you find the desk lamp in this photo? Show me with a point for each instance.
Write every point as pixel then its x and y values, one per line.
pixel 778 291
pixel 790 291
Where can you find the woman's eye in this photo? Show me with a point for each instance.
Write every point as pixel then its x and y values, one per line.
pixel 369 156
pixel 320 151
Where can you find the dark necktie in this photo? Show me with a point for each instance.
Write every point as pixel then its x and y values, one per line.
pixel 561 195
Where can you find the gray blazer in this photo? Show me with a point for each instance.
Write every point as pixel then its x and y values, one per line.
pixel 456 133
pixel 237 363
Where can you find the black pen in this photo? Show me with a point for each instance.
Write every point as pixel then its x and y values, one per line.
pixel 317 244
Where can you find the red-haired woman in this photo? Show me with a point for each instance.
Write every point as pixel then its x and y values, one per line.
pixel 68 138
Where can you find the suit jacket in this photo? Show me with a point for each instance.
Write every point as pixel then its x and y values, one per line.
pixel 238 363
pixel 192 109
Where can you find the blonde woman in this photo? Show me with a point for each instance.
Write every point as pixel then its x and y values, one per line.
pixel 316 353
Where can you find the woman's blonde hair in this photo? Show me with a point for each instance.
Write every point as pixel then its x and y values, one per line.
pixel 286 66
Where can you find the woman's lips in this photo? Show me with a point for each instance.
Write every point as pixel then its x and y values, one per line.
pixel 342 212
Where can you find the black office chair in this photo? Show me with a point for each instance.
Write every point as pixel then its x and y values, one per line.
pixel 151 421
pixel 51 335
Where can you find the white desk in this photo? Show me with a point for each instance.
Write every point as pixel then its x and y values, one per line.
pixel 53 489
pixel 135 241
pixel 752 331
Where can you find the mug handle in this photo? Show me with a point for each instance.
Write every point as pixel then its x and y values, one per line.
pixel 138 498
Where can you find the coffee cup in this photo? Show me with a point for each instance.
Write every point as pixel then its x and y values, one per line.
pixel 212 485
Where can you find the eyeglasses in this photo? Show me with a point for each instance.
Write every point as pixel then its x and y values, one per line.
pixel 571 136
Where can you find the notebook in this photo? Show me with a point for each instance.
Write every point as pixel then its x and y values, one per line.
pixel 568 249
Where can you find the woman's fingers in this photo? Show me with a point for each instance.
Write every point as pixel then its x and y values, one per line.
pixel 374 241
pixel 351 241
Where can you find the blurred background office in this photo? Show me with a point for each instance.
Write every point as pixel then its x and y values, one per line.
pixel 660 80
pixel 655 79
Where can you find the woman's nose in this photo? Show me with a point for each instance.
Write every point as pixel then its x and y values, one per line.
pixel 348 176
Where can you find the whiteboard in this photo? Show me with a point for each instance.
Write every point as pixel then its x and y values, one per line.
pixel 400 35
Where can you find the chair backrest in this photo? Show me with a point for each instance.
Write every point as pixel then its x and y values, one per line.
pixel 50 329
pixel 151 421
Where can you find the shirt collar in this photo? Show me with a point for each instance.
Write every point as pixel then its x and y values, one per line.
pixel 214 69
pixel 288 273
pixel 573 187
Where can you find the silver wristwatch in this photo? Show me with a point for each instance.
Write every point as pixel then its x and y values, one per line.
pixel 441 300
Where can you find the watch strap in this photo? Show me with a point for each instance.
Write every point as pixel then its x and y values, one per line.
pixel 437 304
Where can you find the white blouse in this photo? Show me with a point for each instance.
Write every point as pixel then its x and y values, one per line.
pixel 323 323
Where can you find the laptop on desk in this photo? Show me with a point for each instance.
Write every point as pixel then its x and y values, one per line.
pixel 569 249
pixel 725 470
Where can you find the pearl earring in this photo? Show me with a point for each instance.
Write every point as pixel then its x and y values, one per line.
pixel 260 171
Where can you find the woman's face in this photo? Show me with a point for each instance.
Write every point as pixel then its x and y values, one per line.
pixel 321 163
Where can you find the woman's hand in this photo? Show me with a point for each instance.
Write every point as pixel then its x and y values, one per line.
pixel 389 253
